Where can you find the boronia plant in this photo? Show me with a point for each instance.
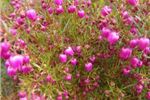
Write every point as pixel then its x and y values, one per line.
pixel 77 49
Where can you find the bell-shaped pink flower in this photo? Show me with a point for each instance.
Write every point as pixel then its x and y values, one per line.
pixel 59 10
pixel 106 10
pixel 134 62
pixel 69 51
pixel 113 38
pixel 50 10
pixel 13 31
pixel 148 95
pixel 125 53
pixel 88 67
pixel 133 43
pixel 31 14
pixel 26 69
pixel 105 32
pixel 5 55
pixel 81 13
pixel 48 78
pixel 74 61
pixel 125 14
pixel 58 2
pixel 5 46
pixel 143 43
pixel 22 94
pixel 68 77
pixel 126 71
pixel 63 58
pixel 133 2
pixel 26 59
pixel 16 61
pixel 71 9
pixel 11 71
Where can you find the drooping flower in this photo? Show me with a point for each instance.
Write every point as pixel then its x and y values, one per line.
pixel 74 61
pixel 88 67
pixel 31 14
pixel 105 32
pixel 81 13
pixel 50 10
pixel 133 2
pixel 126 71
pixel 26 69
pixel 58 2
pixel 134 62
pixel 68 77
pixel 143 43
pixel 133 43
pixel 113 38
pixel 71 9
pixel 59 10
pixel 106 10
pixel 13 31
pixel 69 51
pixel 16 61
pixel 11 71
pixel 5 46
pixel 125 53
pixel 63 58
pixel 148 95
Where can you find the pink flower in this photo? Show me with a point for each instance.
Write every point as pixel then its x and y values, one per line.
pixel 106 10
pixel 88 67
pixel 134 62
pixel 133 2
pixel 139 88
pixel 69 51
pixel 5 46
pixel 125 53
pixel 81 13
pixel 125 14
pixel 113 38
pixel 16 61
pixel 22 94
pixel 148 95
pixel 48 78
pixel 59 10
pixel 26 59
pixel 126 70
pixel 63 58
pixel 26 69
pixel 11 71
pixel 105 32
pixel 13 31
pixel 133 43
pixel 68 77
pixel 143 43
pixel 31 14
pixel 5 55
pixel 71 9
pixel 50 10
pixel 58 2
pixel 74 61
